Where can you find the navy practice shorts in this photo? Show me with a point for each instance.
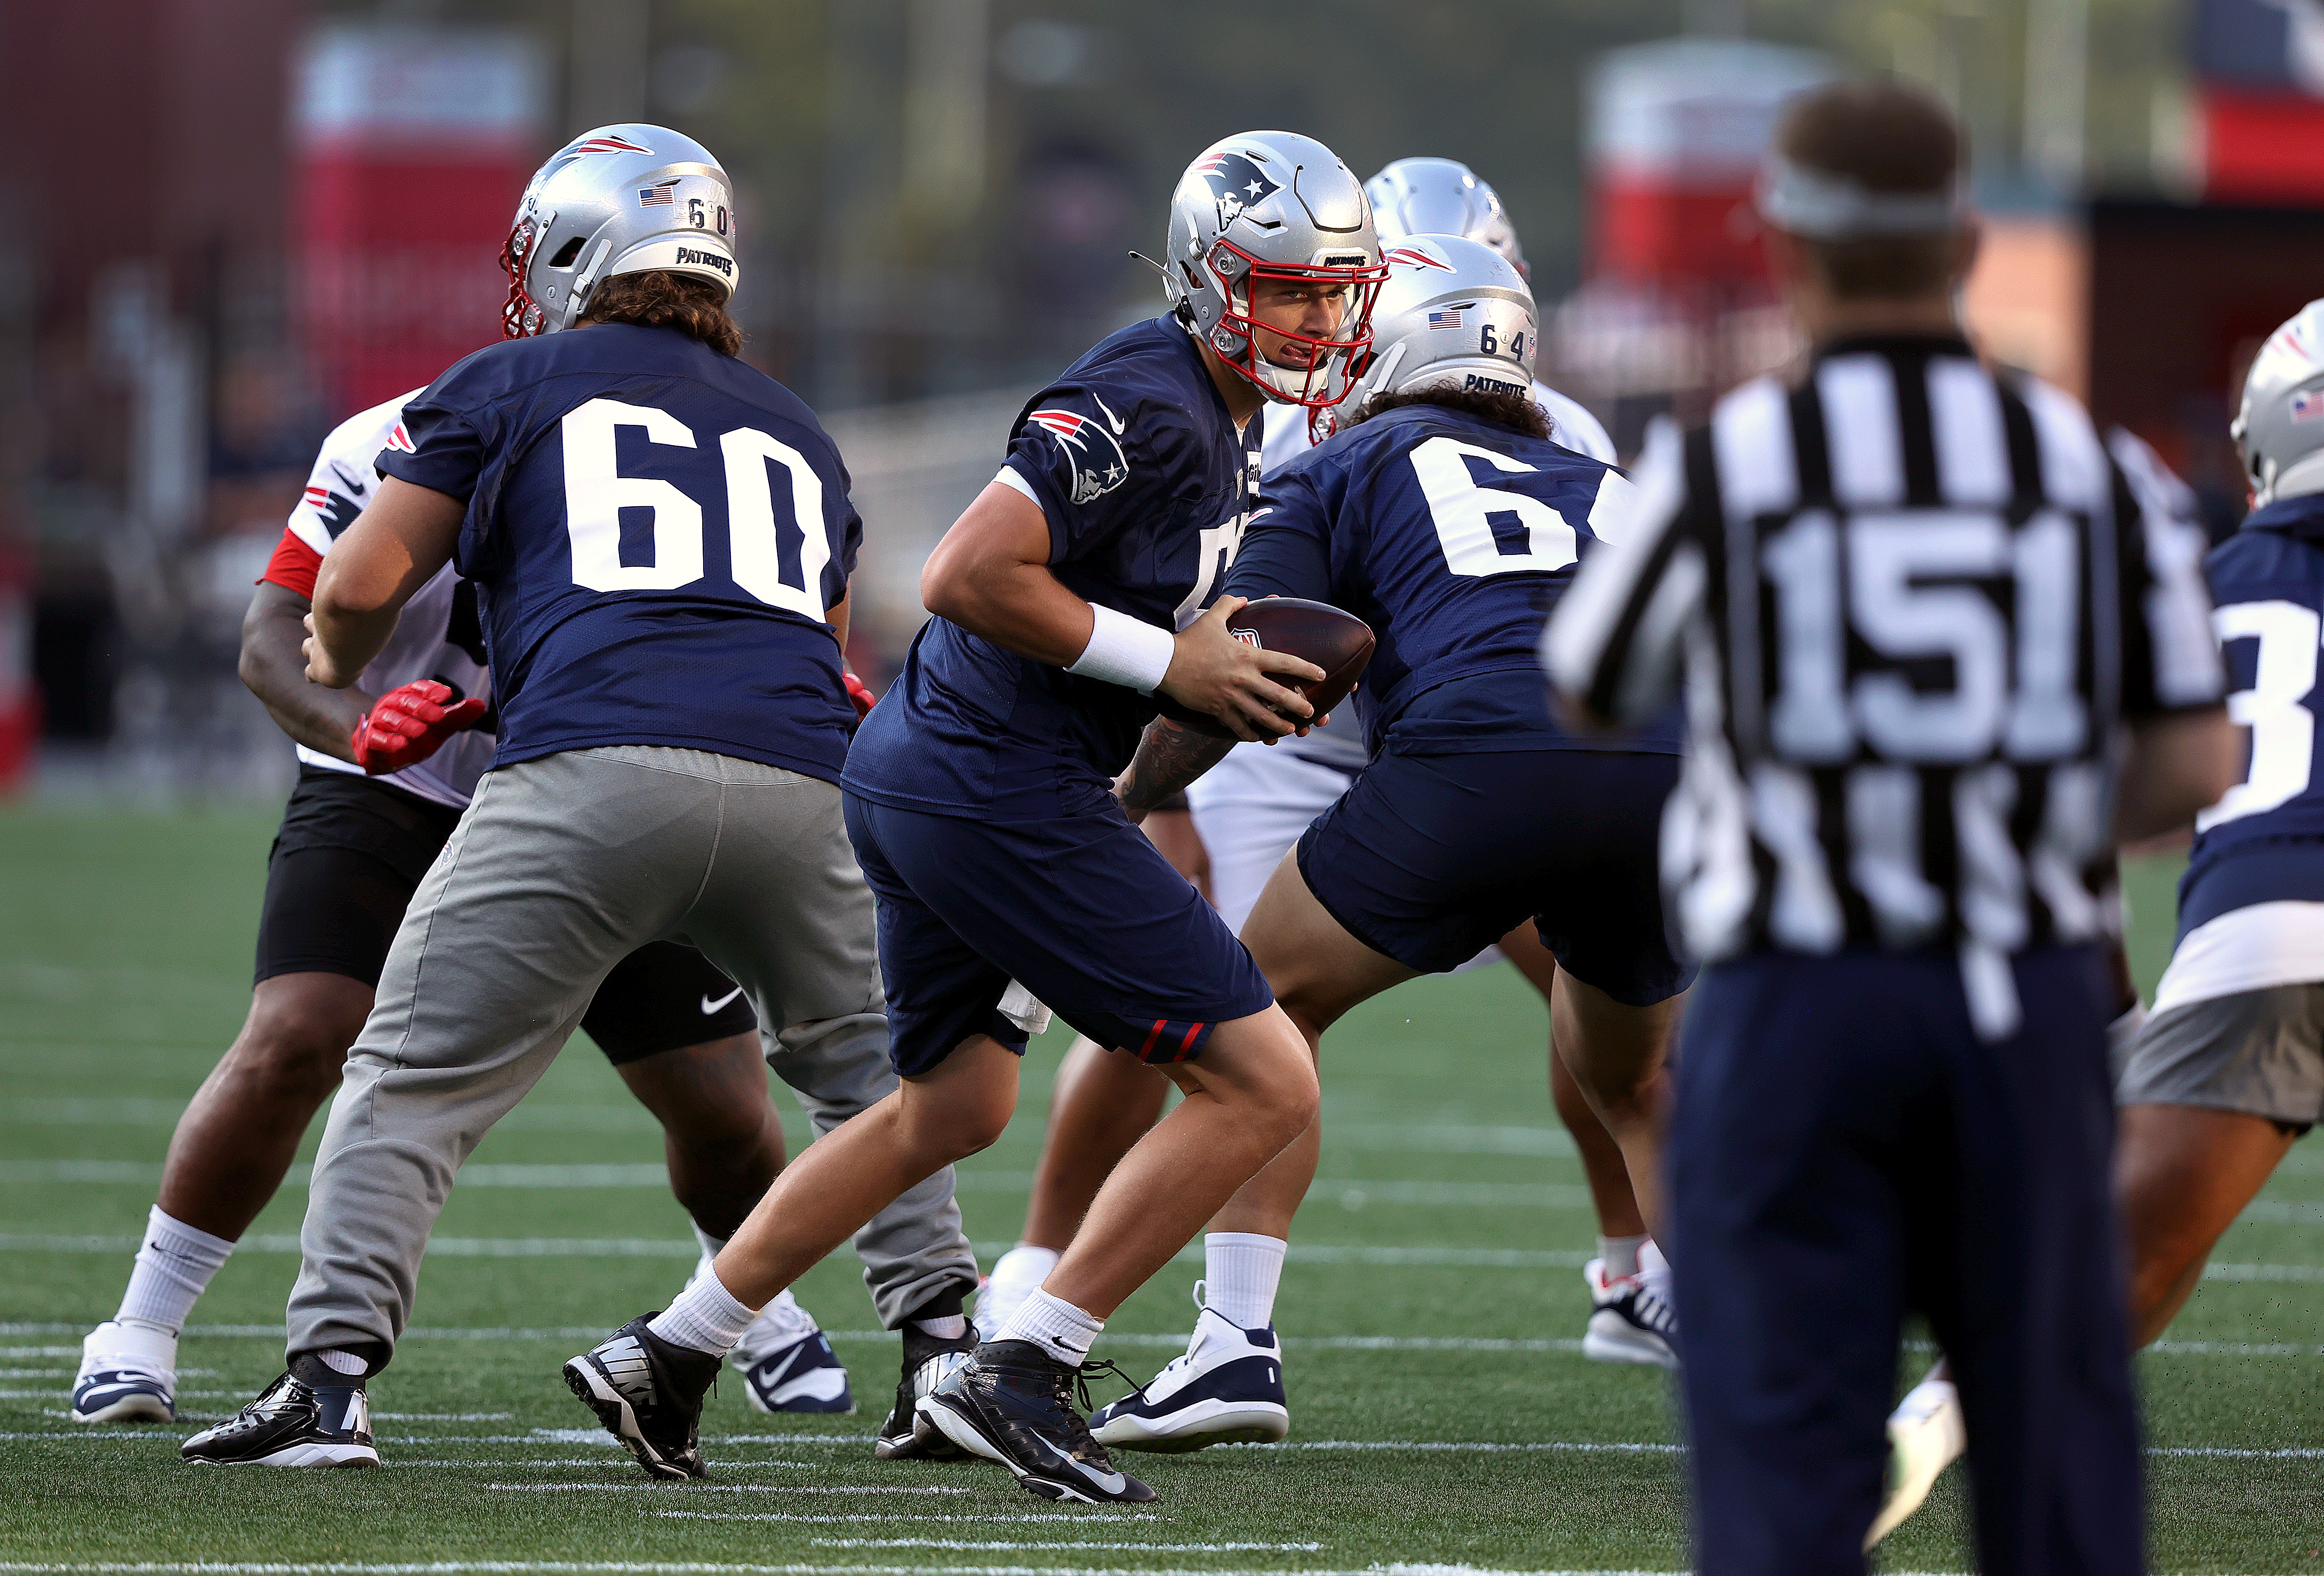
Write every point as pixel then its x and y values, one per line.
pixel 1431 859
pixel 344 866
pixel 1082 911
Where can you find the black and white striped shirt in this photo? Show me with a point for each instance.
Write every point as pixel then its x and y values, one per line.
pixel 1914 600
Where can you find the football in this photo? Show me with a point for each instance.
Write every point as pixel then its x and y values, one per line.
pixel 1338 642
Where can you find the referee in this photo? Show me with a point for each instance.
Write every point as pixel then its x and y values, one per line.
pixel 1945 646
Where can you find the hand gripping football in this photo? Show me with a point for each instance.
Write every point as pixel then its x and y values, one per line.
pixel 1340 643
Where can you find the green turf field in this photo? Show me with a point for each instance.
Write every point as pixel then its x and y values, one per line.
pixel 1441 1413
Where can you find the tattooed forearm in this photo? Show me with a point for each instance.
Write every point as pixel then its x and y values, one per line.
pixel 1170 756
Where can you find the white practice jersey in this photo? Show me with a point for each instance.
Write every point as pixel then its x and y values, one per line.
pixel 439 635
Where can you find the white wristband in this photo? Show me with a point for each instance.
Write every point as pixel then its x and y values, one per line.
pixel 1125 651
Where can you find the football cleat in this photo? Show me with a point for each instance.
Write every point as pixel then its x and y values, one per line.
pixel 929 1361
pixel 310 1417
pixel 1227 1389
pixel 1926 1433
pixel 1013 1403
pixel 128 1374
pixel 1631 1319
pixel 648 1393
pixel 787 1365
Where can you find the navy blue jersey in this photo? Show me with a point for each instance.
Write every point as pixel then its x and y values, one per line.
pixel 1145 482
pixel 1453 537
pixel 2268 592
pixel 655 531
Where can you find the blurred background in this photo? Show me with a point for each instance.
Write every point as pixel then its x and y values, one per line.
pixel 225 224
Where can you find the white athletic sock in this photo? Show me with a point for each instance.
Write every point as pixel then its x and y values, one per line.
pixel 711 1246
pixel 1620 1254
pixel 947 1327
pixel 343 1362
pixel 705 1317
pixel 1053 1324
pixel 1240 1270
pixel 1018 1273
pixel 172 1269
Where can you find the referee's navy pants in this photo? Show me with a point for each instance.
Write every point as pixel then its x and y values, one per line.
pixel 1846 1149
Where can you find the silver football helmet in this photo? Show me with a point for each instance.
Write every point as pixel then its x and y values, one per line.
pixel 1442 196
pixel 620 199
pixel 1453 311
pixel 2279 428
pixel 1273 205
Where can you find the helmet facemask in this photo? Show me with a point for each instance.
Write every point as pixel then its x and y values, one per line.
pixel 521 317
pixel 1316 376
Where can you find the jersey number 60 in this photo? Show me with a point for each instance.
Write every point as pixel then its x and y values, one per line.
pixel 782 574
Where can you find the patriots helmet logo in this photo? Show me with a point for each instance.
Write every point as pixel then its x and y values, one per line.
pixel 608 145
pixel 1236 181
pixel 1098 463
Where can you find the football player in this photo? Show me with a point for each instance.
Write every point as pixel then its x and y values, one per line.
pixel 1068 600
pixel 1442 514
pixel 1246 813
pixel 2229 1070
pixel 659 537
pixel 386 766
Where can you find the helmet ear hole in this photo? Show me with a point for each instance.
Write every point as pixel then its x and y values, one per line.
pixel 567 254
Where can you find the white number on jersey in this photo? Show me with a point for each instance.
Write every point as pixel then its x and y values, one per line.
pixel 2283 729
pixel 595 493
pixel 1463 512
pixel 1913 591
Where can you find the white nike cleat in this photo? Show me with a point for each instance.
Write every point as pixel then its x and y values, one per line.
pixel 1926 1433
pixel 128 1374
pixel 786 1362
pixel 1228 1390
pixel 1631 1319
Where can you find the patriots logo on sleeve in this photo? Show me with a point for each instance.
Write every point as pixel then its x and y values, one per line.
pixel 1237 183
pixel 1098 463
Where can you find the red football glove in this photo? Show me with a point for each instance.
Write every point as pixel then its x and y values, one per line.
pixel 406 725
pixel 860 694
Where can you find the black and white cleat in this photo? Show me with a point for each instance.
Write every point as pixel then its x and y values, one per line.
pixel 1013 1403
pixel 310 1417
pixel 648 1393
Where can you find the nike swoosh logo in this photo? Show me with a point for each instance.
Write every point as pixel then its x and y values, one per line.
pixel 1112 420
pixel 1112 1482
pixel 709 1007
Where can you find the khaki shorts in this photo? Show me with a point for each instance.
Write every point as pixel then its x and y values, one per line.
pixel 2258 1051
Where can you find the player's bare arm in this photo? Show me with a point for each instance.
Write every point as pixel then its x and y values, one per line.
pixel 990 575
pixel 2177 764
pixel 391 552
pixel 273 665
pixel 1169 756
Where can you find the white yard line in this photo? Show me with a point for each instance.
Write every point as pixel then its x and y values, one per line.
pixel 1045 1548
pixel 916 1490
pixel 1026 1549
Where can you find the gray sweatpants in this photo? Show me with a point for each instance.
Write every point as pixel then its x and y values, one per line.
pixel 562 867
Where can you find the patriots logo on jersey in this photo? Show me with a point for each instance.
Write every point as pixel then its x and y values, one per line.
pixel 1237 183
pixel 1099 465
pixel 337 510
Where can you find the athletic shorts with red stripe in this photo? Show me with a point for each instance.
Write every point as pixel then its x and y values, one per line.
pixel 1080 911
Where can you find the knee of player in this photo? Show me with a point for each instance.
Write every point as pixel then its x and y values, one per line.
pixel 1289 1098
pixel 296 1046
